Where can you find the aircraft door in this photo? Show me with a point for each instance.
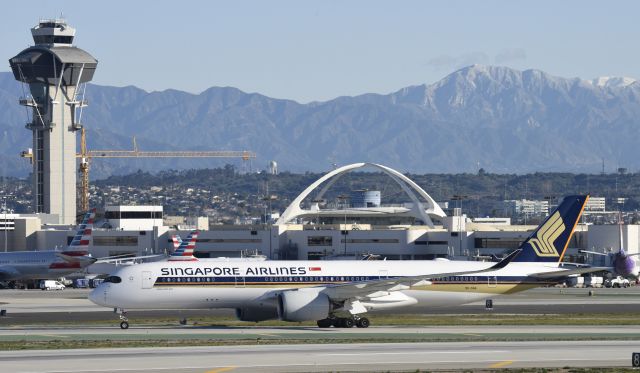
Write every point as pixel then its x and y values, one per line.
pixel 240 282
pixel 492 281
pixel 147 280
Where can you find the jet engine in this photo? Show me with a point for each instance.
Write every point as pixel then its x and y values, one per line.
pixel 256 313
pixel 303 305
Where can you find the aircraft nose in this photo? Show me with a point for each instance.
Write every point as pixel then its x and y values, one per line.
pixel 98 296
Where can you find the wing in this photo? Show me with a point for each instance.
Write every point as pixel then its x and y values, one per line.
pixel 83 259
pixel 360 289
pixel 125 258
pixel 569 272
pixel 8 273
pixel 592 252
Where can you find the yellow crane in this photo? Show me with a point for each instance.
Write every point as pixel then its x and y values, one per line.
pixel 85 155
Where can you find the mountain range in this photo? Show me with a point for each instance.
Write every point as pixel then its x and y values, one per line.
pixel 497 118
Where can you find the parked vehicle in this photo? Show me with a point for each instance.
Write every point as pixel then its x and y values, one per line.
pixel 94 282
pixel 593 281
pixel 617 282
pixel 575 282
pixel 51 285
pixel 80 283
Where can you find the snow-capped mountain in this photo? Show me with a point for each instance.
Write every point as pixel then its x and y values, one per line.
pixel 504 119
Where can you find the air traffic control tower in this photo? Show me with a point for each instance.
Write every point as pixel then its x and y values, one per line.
pixel 54 70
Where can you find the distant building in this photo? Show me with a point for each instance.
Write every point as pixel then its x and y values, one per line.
pixel 525 207
pixel 365 198
pixel 595 204
pixel 492 221
pixel 134 217
pixel 197 222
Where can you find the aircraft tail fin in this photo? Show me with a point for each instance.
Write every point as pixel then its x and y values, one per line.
pixel 548 243
pixel 79 245
pixel 176 241
pixel 185 248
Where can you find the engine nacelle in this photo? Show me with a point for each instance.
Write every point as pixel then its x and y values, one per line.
pixel 303 305
pixel 256 313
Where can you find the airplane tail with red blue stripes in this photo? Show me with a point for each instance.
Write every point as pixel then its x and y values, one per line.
pixel 185 248
pixel 79 245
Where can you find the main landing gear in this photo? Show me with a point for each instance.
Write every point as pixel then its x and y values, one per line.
pixel 344 322
pixel 124 321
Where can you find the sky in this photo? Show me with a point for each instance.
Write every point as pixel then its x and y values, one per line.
pixel 318 50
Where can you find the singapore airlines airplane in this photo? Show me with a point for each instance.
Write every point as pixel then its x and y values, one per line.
pixel 50 264
pixel 338 293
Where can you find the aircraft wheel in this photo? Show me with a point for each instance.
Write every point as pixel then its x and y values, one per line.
pixel 362 322
pixel 347 322
pixel 325 323
pixel 124 325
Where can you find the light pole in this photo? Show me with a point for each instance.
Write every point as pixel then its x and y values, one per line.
pixel 269 198
pixel 344 198
pixel 4 207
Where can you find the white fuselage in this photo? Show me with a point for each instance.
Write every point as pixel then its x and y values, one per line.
pixel 216 284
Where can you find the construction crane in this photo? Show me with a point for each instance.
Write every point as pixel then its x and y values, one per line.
pixel 85 155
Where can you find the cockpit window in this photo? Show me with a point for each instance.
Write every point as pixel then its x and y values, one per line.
pixel 113 279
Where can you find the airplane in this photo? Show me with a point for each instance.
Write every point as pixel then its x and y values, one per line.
pixel 339 293
pixel 623 264
pixel 176 240
pixel 184 249
pixel 50 264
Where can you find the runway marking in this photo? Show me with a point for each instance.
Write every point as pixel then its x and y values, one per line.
pixel 270 335
pixel 220 370
pixel 413 353
pixel 501 364
pixel 473 335
pixel 52 335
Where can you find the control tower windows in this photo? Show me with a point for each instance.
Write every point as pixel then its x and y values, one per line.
pixel 52 39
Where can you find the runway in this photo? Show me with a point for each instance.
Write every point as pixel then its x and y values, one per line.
pixel 370 357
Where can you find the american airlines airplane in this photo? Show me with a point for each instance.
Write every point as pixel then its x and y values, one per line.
pixel 50 264
pixel 338 293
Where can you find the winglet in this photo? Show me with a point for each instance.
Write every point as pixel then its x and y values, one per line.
pixel 506 260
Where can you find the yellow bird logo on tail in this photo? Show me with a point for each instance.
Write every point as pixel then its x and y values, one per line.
pixel 548 233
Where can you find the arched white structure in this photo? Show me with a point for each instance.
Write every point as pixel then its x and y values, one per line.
pixel 421 210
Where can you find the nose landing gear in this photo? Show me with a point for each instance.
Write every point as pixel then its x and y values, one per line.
pixel 124 320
